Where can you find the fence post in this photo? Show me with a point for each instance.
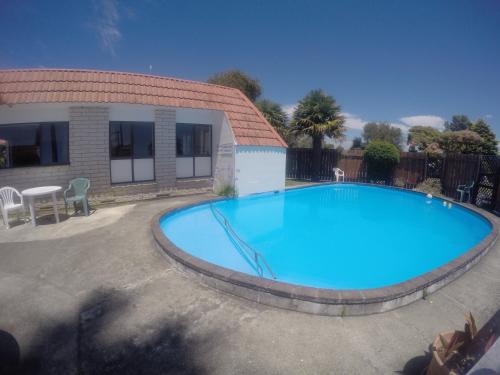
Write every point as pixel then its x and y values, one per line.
pixel 442 174
pixel 476 180
pixel 425 166
pixel 496 188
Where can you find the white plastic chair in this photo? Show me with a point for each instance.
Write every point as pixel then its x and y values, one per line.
pixel 338 174
pixel 8 203
pixel 465 191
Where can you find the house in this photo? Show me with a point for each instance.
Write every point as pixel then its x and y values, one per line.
pixel 132 133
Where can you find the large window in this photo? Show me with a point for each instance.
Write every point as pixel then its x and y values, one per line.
pixel 34 144
pixel 194 150
pixel 132 151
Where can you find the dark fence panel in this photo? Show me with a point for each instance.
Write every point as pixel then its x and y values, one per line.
pixel 299 163
pixel 353 165
pixel 329 160
pixel 457 170
pixel 413 168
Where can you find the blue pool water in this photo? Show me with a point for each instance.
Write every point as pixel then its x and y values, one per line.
pixel 340 236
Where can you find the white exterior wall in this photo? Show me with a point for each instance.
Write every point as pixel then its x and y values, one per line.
pixel 259 169
pixel 223 156
pixel 24 113
pixel 250 169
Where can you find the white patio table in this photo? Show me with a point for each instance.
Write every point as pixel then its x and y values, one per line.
pixel 41 191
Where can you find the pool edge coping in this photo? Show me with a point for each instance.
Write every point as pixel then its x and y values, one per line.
pixel 400 294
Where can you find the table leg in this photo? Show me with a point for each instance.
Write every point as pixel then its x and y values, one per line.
pixel 54 205
pixel 31 204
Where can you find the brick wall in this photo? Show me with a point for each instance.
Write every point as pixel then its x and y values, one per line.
pixel 165 147
pixel 89 146
pixel 23 178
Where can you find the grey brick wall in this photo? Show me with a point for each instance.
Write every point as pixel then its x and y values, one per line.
pixel 23 178
pixel 165 120
pixel 89 146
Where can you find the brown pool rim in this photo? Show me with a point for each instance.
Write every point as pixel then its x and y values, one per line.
pixel 323 301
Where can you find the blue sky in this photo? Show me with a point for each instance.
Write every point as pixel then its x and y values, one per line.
pixel 406 62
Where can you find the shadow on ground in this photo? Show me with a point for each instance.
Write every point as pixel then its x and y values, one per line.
pixel 417 365
pixel 58 349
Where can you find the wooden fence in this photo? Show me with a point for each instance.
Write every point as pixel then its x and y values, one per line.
pixel 413 168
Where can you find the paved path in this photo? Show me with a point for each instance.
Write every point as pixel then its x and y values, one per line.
pixel 93 295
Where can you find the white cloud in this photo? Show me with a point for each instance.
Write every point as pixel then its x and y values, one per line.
pixel 352 121
pixel 423 120
pixel 289 109
pixel 106 23
pixel 488 116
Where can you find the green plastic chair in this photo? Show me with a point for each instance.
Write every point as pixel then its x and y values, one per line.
pixel 78 187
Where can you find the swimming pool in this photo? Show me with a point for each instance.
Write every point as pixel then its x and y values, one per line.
pixel 337 236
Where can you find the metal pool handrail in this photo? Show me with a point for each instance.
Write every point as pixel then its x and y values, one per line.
pixel 257 257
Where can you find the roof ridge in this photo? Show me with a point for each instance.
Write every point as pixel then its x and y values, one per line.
pixel 159 96
pixel 116 72
pixel 42 85
pixel 123 83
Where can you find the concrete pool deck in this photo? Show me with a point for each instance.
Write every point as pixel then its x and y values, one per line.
pixel 94 295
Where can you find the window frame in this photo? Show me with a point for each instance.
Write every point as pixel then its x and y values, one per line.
pixel 193 155
pixel 131 158
pixel 38 124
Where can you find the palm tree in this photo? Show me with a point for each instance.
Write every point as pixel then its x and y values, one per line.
pixel 275 115
pixel 318 115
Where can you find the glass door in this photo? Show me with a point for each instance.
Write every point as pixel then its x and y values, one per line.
pixel 131 151
pixel 194 150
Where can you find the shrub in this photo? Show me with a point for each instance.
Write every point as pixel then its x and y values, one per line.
pixel 381 158
pixel 461 142
pixel 399 182
pixel 226 191
pixel 430 186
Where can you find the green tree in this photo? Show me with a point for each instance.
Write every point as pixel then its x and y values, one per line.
pixel 381 158
pixel 238 80
pixel 482 128
pixel 382 131
pixel 457 123
pixel 461 142
pixel 275 115
pixel 299 141
pixel 357 143
pixel 420 138
pixel 318 115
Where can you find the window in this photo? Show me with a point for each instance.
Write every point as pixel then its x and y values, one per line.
pixel 34 144
pixel 194 150
pixel 194 140
pixel 120 140
pixel 132 151
pixel 202 140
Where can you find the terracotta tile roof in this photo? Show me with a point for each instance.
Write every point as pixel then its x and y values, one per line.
pixel 89 86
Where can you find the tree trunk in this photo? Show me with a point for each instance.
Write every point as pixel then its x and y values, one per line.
pixel 316 159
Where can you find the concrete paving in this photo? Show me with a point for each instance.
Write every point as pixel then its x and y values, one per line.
pixel 93 295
